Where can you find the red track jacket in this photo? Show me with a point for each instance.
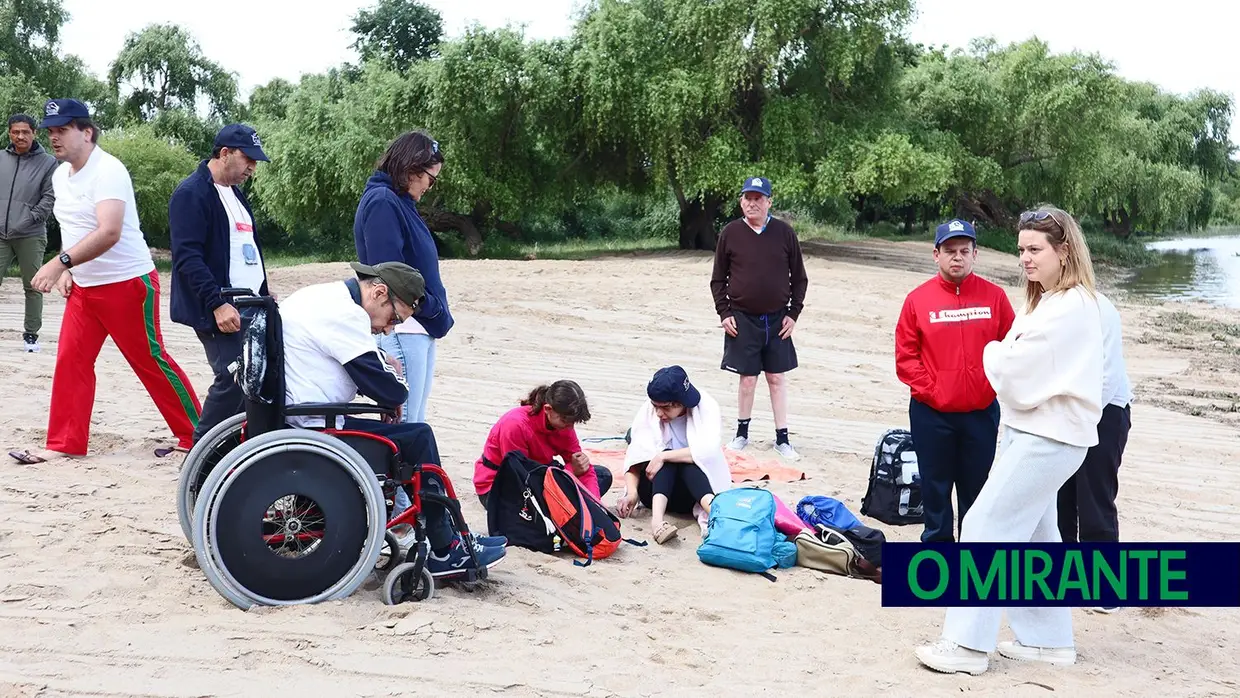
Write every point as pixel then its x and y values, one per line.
pixel 942 330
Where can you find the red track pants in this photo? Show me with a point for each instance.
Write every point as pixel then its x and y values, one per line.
pixel 128 312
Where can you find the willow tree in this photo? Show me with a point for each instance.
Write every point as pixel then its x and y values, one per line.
pixel 699 95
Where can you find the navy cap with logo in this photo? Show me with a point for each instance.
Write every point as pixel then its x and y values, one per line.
pixel 671 384
pixel 242 138
pixel 762 185
pixel 954 228
pixel 59 112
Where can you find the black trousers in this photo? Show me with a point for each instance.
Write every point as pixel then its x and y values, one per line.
pixel 224 397
pixel 417 444
pixel 954 449
pixel 1086 503
pixel 684 484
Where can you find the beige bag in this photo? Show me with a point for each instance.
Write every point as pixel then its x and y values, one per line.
pixel 827 550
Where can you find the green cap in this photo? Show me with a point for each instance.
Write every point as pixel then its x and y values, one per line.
pixel 402 280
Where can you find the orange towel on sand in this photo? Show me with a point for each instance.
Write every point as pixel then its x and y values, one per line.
pixel 744 467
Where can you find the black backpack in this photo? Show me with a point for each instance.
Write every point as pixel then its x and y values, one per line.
pixel 894 493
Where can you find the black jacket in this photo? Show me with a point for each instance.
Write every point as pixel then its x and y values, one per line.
pixel 198 227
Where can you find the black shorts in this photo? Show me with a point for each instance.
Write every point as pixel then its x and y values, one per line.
pixel 757 346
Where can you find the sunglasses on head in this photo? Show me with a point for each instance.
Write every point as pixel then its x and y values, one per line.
pixel 1028 216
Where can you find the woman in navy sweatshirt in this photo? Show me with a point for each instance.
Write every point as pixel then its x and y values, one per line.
pixel 388 228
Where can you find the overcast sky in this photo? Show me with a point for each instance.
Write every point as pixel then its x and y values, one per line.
pixel 1180 46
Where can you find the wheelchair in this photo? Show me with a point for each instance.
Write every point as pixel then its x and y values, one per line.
pixel 281 515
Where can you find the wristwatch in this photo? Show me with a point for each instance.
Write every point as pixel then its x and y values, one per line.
pixel 66 260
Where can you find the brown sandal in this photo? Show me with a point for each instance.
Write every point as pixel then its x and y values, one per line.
pixel 665 533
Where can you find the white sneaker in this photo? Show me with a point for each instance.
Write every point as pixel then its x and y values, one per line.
pixel 787 451
pixel 1062 656
pixel 738 444
pixel 1104 609
pixel 31 342
pixel 947 657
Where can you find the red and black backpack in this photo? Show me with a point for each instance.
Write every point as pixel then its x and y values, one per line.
pixel 536 505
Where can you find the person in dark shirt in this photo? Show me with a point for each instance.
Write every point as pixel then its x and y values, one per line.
pixel 759 287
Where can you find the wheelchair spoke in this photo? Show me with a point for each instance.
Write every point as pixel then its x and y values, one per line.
pixel 293 526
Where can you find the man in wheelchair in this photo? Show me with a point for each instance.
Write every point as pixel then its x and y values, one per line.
pixel 330 356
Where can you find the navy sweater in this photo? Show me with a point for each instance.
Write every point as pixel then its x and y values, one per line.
pixel 387 228
pixel 201 247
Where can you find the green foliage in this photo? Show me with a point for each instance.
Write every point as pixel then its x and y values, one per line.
pixel 397 33
pixel 156 165
pixel 164 68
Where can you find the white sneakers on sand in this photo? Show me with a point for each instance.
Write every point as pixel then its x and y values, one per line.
pixel 947 657
pixel 785 450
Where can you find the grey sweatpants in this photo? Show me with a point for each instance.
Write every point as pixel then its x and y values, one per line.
pixel 1017 505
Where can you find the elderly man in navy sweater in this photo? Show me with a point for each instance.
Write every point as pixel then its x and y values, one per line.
pixel 214 246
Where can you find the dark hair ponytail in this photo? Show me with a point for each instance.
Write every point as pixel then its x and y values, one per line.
pixel 564 396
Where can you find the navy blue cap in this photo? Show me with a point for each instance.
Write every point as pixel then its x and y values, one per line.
pixel 954 228
pixel 671 384
pixel 762 185
pixel 59 112
pixel 242 138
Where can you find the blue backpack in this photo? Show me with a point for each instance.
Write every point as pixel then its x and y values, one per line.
pixel 741 533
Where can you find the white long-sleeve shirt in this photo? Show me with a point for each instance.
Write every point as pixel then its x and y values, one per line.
pixel 1116 388
pixel 1047 371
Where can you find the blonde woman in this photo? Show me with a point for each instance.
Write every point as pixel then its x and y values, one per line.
pixel 1047 373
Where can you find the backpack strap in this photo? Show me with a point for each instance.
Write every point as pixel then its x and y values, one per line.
pixel 768 575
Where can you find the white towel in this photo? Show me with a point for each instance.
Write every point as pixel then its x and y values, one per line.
pixel 703 431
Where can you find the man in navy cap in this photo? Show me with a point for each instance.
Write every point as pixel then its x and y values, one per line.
pixel 953 415
pixel 214 246
pixel 106 272
pixel 758 284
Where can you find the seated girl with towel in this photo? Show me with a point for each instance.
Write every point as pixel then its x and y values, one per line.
pixel 541 428
pixel 674 462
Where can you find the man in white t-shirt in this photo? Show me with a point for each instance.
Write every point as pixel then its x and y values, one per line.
pixel 214 247
pixel 330 356
pixel 106 272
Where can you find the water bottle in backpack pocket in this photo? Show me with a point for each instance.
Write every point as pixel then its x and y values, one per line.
pixel 741 533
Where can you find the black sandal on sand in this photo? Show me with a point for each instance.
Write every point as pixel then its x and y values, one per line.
pixel 164 452
pixel 26 457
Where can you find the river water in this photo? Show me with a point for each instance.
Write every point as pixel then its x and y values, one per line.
pixel 1206 269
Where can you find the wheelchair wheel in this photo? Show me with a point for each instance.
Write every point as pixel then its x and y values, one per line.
pixel 289 517
pixel 199 463
pixel 400 585
pixel 389 557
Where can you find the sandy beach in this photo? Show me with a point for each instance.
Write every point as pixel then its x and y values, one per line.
pixel 99 596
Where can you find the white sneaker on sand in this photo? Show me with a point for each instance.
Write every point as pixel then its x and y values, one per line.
pixel 1104 609
pixel 947 657
pixel 787 451
pixel 738 444
pixel 1062 656
pixel 30 342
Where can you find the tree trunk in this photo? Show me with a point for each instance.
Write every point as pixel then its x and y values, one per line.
pixel 697 222
pixel 1118 223
pixel 985 206
pixel 438 219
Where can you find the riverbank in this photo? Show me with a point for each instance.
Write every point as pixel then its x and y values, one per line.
pixel 97 595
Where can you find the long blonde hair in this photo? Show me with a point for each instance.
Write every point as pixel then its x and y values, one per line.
pixel 1060 229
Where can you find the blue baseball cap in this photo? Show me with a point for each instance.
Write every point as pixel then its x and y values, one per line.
pixel 671 384
pixel 59 112
pixel 242 138
pixel 954 228
pixel 762 185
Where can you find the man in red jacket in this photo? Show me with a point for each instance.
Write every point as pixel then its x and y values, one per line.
pixel 953 413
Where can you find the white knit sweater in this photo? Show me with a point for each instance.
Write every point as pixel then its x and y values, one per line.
pixel 1047 372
